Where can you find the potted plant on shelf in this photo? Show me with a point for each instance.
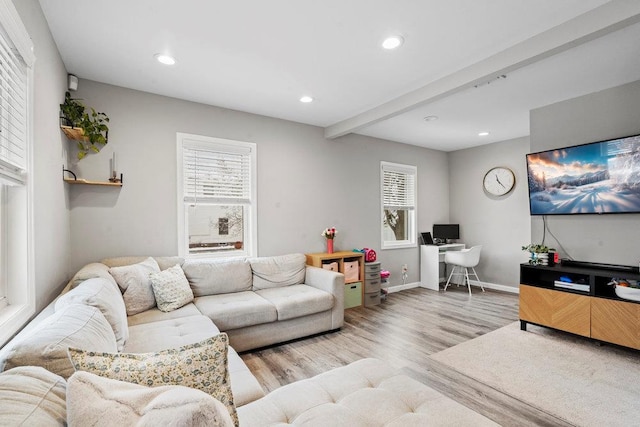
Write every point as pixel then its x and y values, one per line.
pixel 90 131
pixel 538 253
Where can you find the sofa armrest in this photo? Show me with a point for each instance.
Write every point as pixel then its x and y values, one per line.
pixel 333 283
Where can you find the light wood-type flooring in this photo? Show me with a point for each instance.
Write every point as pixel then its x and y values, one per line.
pixel 404 330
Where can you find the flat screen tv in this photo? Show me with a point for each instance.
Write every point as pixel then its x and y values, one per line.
pixel 597 178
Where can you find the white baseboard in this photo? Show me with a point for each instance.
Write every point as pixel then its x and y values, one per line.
pixel 487 285
pixel 398 288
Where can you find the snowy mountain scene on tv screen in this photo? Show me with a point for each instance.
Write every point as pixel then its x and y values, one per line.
pixel 596 178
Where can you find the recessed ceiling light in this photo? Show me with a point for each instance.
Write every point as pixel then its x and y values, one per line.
pixel 430 118
pixel 306 99
pixel 483 134
pixel 165 59
pixel 392 42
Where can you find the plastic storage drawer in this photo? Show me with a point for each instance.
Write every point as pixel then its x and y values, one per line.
pixel 371 299
pixel 372 267
pixel 353 295
pixel 372 286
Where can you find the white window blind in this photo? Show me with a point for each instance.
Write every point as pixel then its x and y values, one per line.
pixel 215 173
pixel 398 186
pixel 13 114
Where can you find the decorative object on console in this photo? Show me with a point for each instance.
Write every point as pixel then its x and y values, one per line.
pixel 329 234
pixel 538 253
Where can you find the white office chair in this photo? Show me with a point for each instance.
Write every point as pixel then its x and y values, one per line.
pixel 463 261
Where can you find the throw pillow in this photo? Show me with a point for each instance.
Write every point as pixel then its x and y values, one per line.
pixel 202 366
pixel 104 295
pixel 136 286
pixel 171 288
pixel 98 401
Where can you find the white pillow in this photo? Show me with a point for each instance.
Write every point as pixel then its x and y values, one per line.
pixel 171 288
pixel 136 286
pixel 105 295
pixel 98 401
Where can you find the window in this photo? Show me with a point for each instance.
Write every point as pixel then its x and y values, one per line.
pixel 216 194
pixel 398 189
pixel 17 291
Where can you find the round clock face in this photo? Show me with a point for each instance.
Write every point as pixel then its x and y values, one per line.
pixel 499 181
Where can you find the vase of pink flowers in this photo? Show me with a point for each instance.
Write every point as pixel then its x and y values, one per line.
pixel 329 234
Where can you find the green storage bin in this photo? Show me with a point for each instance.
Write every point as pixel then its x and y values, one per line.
pixel 352 295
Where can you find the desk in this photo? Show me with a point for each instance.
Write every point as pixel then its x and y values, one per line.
pixel 430 258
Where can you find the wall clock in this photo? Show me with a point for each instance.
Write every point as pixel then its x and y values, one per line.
pixel 499 181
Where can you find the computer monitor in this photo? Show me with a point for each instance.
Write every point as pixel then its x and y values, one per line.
pixel 446 231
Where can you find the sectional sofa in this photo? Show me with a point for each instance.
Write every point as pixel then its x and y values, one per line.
pixel 105 314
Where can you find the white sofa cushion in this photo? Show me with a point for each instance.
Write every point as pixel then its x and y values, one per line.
pixel 105 295
pixel 135 284
pixel 91 271
pixel 32 396
pixel 169 333
pixel 297 300
pixel 76 325
pixel 154 315
pixel 164 262
pixel 276 271
pixel 236 310
pixel 98 401
pixel 202 365
pixel 366 393
pixel 213 277
pixel 171 289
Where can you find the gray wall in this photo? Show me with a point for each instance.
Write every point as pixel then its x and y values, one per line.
pixel 598 116
pixel 305 182
pixel 51 216
pixel 501 225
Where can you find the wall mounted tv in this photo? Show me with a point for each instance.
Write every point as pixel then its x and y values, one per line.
pixel 597 178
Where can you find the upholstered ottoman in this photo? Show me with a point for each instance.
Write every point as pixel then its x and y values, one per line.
pixel 365 393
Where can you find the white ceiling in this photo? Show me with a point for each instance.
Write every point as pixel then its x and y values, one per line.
pixel 261 56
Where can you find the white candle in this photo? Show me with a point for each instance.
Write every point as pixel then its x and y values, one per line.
pixel 113 164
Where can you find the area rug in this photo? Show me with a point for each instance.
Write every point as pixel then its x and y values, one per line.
pixel 566 376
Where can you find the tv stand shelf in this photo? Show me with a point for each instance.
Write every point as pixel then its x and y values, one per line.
pixel 596 313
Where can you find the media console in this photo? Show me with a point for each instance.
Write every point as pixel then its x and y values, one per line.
pixel 578 298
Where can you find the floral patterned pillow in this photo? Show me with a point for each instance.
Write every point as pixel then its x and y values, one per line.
pixel 202 366
pixel 171 288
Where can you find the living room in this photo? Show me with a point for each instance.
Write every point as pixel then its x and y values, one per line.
pixel 306 181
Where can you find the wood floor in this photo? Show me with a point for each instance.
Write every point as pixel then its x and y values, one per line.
pixel 404 330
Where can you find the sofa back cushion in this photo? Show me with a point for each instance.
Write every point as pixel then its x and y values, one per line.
pixel 135 284
pixel 76 325
pixel 32 396
pixel 91 271
pixel 213 277
pixel 278 271
pixel 104 295
pixel 164 262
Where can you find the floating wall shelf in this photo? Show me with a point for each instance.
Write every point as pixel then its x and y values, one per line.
pixel 87 182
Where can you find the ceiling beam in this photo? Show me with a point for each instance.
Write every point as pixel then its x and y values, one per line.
pixel 591 25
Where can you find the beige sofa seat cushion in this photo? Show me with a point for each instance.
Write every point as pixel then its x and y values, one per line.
pixel 155 315
pixel 366 393
pixel 236 310
pixel 105 295
pixel 98 401
pixel 76 325
pixel 32 396
pixel 297 300
pixel 164 262
pixel 169 333
pixel 276 271
pixel 213 277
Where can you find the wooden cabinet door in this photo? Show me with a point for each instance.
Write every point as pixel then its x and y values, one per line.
pixel 572 313
pixel 561 310
pixel 536 305
pixel 615 321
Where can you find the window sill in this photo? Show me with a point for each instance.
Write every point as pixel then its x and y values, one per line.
pixel 404 245
pixel 12 319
